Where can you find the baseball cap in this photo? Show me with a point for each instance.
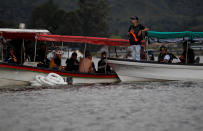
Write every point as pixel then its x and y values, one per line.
pixel 134 18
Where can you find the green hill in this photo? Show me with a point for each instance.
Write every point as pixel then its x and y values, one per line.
pixel 160 15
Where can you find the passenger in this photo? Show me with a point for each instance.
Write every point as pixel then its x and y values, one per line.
pixel 56 60
pixel 29 51
pixel 41 53
pixel 151 55
pixel 86 64
pixel 187 51
pixel 143 55
pixel 41 57
pixel 164 57
pixel 135 37
pixel 72 64
pixel 11 58
pixel 103 67
pixel 93 69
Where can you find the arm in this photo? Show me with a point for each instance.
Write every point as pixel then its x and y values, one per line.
pixel 145 29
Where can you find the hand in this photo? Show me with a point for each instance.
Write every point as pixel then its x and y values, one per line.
pixel 146 29
pixel 60 67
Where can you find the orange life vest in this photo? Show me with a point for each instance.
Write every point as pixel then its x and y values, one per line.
pixel 134 36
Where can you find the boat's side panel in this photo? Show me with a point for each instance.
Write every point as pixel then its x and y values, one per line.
pixel 12 83
pixel 144 71
pixel 78 80
pixel 19 75
pixel 28 74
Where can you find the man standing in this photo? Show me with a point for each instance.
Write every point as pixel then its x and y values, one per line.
pixel 135 37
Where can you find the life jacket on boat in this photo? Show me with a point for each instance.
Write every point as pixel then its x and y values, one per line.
pixel 134 36
pixel 12 59
pixel 55 63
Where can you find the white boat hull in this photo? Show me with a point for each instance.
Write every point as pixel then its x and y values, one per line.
pixel 137 71
pixel 28 74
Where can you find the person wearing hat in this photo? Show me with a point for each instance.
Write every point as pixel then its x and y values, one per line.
pixel 135 37
pixel 164 57
pixel 56 60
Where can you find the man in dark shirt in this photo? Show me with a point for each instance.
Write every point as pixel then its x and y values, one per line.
pixel 188 55
pixel 72 64
pixel 135 37
pixel 103 67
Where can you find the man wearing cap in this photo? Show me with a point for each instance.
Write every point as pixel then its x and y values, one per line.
pixel 135 37
pixel 164 57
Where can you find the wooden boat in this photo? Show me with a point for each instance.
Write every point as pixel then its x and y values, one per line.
pixel 27 72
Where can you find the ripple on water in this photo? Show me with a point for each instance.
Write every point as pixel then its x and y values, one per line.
pixel 154 106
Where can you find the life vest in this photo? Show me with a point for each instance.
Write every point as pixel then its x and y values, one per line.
pixel 134 36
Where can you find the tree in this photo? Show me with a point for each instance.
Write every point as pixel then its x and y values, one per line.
pixel 89 20
pixel 48 16
pixel 93 17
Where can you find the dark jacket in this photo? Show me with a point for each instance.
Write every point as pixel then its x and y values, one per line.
pixel 72 65
pixel 190 56
pixel 103 67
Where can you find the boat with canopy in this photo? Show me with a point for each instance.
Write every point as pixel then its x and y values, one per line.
pixel 26 71
pixel 129 70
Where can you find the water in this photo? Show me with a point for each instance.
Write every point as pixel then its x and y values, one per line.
pixel 152 106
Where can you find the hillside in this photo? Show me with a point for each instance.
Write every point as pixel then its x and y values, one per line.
pixel 160 15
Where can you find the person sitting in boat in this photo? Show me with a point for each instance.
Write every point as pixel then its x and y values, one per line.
pixel 135 37
pixel 42 57
pixel 143 55
pixel 188 55
pixel 86 64
pixel 11 58
pixel 72 64
pixel 29 51
pixel 164 57
pixel 103 67
pixel 55 63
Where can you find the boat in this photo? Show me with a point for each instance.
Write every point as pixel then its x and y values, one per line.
pixel 132 71
pixel 27 71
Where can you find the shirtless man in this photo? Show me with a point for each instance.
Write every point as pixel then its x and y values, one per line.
pixel 85 65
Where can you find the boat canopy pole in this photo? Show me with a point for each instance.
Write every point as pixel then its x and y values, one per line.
pixel 35 50
pixel 146 47
pixel 84 56
pixel 116 52
pixel 85 50
pixel 24 48
pixel 68 53
pixel 186 59
pixel 109 52
pixel 62 44
pixel 2 51
pixel 22 52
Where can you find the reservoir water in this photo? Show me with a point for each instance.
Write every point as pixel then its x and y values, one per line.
pixel 149 106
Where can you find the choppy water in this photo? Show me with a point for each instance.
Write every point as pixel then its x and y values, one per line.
pixel 156 106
